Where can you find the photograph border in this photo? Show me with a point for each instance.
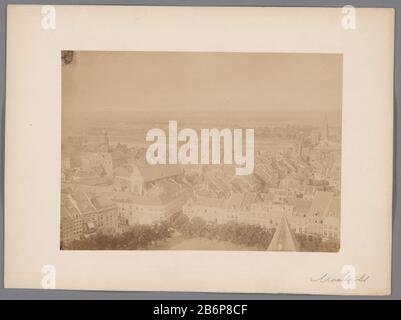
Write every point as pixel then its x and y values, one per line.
pixel 396 237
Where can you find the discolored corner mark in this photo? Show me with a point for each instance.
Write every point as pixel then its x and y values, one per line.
pixel 67 56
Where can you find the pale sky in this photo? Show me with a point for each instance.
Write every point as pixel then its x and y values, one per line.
pixel 189 82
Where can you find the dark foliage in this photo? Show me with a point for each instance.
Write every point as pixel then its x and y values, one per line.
pixel 137 237
pixel 241 234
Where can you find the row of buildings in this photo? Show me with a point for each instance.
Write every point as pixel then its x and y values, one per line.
pixel 107 189
pixel 319 216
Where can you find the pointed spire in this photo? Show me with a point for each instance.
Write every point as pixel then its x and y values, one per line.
pixel 106 141
pixel 283 239
pixel 327 128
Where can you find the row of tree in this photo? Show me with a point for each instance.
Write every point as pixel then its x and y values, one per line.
pixel 144 236
pixel 240 234
pixel 316 244
pixel 136 237
pixel 247 235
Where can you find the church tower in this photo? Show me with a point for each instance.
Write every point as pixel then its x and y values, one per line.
pixel 327 128
pixel 105 143
pixel 106 138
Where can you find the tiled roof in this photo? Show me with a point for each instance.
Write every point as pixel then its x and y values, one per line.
pixel 210 202
pixel 321 202
pixel 102 203
pixel 235 201
pixel 249 199
pixel 300 206
pixel 148 200
pixel 123 171
pixel 155 172
pixel 334 208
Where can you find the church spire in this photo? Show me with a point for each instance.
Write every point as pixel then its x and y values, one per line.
pixel 105 144
pixel 327 128
pixel 283 239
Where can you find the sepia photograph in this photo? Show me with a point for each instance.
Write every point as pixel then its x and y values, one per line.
pixel 188 151
pixel 200 151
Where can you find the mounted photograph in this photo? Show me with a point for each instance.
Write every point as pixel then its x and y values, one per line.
pixel 200 151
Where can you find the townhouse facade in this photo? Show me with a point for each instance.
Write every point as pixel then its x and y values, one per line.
pixel 318 217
